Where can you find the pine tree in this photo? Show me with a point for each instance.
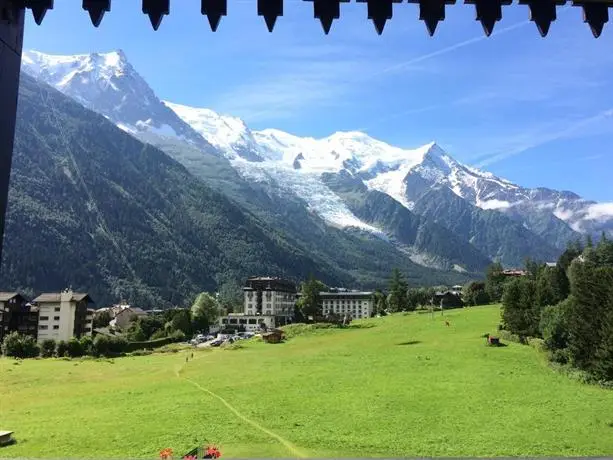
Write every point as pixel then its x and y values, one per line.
pixel 397 299
pixel 585 314
pixel 494 281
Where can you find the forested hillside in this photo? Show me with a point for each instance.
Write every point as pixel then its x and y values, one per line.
pixel 92 207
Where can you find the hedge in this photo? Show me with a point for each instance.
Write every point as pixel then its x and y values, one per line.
pixel 133 346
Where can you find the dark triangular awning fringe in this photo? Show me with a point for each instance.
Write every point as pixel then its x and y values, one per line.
pixel 431 12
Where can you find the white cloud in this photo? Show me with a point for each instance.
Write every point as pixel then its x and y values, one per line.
pixel 296 87
pixel 600 212
pixel 494 204
pixel 547 134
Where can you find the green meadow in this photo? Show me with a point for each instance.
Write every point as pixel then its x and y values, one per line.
pixel 403 385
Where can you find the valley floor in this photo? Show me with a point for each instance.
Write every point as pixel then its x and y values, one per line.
pixel 406 386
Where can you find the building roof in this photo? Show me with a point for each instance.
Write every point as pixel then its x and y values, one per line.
pixel 379 11
pixel 5 296
pixel 56 297
pixel 346 293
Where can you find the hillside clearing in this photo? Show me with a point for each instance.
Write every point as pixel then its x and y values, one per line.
pixel 409 386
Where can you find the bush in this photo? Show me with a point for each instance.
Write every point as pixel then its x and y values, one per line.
pixel 510 337
pixel 148 345
pixel 178 336
pixel 20 346
pixel 554 325
pixel 74 349
pixel 47 348
pixel 87 344
pixel 118 345
pixel 61 349
pixel 159 334
pixel 560 356
pixel 109 346
pixel 537 344
pixel 101 345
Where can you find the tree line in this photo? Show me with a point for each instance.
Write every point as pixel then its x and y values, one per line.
pixel 569 306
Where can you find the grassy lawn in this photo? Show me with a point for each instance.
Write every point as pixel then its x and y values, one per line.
pixel 409 386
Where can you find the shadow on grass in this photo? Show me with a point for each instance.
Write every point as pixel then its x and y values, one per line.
pixel 410 342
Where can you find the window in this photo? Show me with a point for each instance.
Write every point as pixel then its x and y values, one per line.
pixel 242 321
pixel 88 329
pixel 43 327
pixel 44 318
pixel 252 321
pixel 56 327
pixel 56 309
pixel 56 318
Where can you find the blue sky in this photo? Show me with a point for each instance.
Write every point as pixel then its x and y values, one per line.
pixel 536 111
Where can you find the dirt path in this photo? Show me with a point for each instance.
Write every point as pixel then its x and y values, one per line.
pixel 291 447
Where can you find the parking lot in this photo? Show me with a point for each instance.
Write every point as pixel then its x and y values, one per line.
pixel 204 341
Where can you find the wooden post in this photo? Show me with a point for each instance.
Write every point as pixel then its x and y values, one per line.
pixel 11 43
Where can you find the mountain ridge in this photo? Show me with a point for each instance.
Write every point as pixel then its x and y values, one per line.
pixel 291 168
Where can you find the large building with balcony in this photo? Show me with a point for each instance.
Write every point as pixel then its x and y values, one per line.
pixel 17 315
pixel 268 302
pixel 64 315
pixel 355 304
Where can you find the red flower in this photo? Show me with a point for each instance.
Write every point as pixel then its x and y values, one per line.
pixel 212 452
pixel 166 454
pixel 190 457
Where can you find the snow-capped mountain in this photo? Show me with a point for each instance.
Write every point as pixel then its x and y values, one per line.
pixel 343 177
pixel 108 84
pixel 389 169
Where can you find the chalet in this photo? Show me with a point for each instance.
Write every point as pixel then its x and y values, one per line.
pixel 17 315
pixel 64 315
pixel 124 316
pixel 447 299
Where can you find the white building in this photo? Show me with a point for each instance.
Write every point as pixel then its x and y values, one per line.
pixel 267 301
pixel 64 315
pixel 356 304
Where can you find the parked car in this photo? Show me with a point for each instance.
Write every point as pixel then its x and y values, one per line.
pixel 216 342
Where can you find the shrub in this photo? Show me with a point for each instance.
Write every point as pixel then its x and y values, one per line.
pixel 20 346
pixel 159 334
pixel 74 348
pixel 560 356
pixel 509 336
pixel 537 344
pixel 178 336
pixel 87 344
pixel 61 349
pixel 118 345
pixel 101 345
pixel 554 325
pixel 47 348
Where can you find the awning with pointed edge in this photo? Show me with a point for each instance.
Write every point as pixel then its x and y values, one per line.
pixel 488 12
